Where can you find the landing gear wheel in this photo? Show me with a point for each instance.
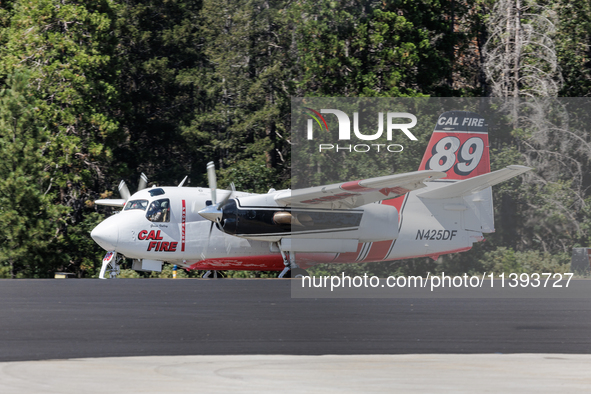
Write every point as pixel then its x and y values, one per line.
pixel 296 273
pixel 213 274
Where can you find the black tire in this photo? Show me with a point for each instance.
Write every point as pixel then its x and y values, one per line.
pixel 296 273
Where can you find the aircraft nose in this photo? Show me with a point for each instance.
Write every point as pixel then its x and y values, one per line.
pixel 106 234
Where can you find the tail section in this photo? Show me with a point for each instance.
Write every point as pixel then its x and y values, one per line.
pixel 458 146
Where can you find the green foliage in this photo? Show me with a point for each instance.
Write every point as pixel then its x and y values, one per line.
pixel 419 266
pixel 250 175
pixel 505 260
pixel 30 219
pixel 167 272
pixel 5 273
pixel 251 274
pixel 244 89
pixel 158 53
pixel 80 254
pixel 67 49
pixel 388 49
pixel 574 34
pixel 128 274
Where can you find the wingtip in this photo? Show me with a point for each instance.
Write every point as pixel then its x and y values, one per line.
pixel 518 167
pixel 111 202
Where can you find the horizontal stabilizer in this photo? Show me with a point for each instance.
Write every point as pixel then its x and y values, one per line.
pixel 112 202
pixel 476 184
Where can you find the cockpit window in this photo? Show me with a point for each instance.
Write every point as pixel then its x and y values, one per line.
pixel 159 211
pixel 136 204
pixel 156 192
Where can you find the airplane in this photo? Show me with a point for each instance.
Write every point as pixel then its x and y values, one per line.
pixel 444 207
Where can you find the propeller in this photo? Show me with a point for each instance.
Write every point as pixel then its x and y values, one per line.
pixel 124 192
pixel 214 212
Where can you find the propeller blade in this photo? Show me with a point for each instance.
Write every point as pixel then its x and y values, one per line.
pixel 124 191
pixel 204 253
pixel 183 181
pixel 212 181
pixel 143 182
pixel 227 196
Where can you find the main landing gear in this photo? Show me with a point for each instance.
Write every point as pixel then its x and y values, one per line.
pixel 295 273
pixel 212 274
pixel 291 269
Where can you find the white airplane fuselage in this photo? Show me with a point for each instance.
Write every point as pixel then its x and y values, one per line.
pixel 424 228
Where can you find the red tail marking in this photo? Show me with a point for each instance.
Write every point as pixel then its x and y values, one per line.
pixel 458 146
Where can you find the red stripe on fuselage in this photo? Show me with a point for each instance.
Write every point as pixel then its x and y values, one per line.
pixel 273 262
pixel 348 257
pixel 183 222
pixel 397 203
pixel 379 250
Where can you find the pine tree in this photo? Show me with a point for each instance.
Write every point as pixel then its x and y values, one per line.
pixel 68 48
pixel 242 121
pixel 574 47
pixel 29 235
pixel 159 59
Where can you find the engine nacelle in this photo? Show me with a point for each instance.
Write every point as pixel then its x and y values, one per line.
pixel 379 223
pixel 369 223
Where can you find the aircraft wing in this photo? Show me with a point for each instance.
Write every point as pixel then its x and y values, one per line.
pixel 111 202
pixel 356 193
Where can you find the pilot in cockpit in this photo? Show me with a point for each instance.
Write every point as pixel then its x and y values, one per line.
pixel 155 212
pixel 159 211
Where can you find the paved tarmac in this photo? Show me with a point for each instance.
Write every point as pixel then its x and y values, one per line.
pixel 455 373
pixel 76 318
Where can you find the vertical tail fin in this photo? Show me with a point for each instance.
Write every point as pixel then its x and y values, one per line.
pixel 458 146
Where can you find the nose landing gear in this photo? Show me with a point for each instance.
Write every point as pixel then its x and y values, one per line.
pixel 110 265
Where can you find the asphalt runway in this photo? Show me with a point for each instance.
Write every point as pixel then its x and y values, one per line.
pixel 77 318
